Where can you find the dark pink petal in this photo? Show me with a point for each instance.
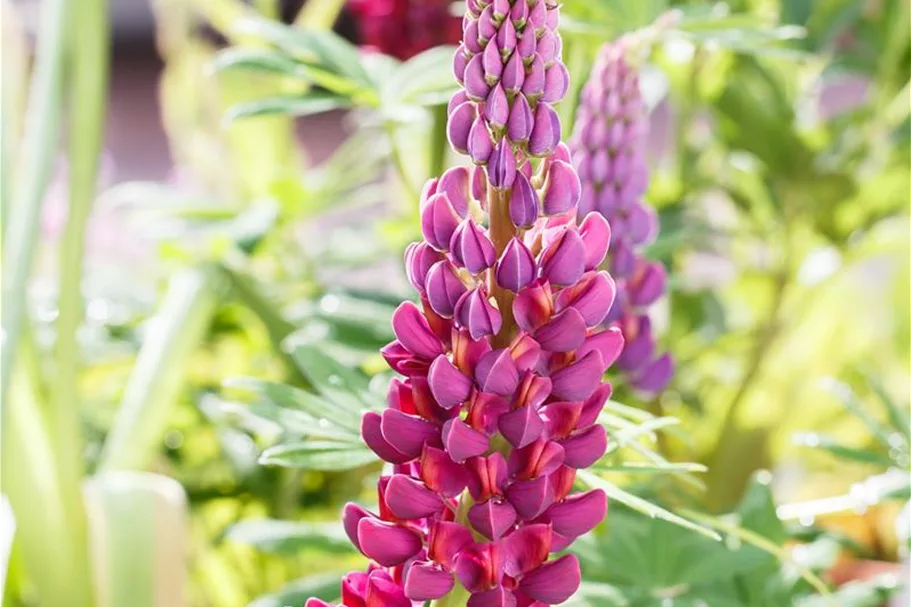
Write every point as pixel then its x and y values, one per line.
pixel 371 432
pixel 563 261
pixel 317 603
pixel 386 543
pixel 521 426
pixel 526 352
pixel 407 433
pixel 479 185
pixel 384 592
pixel 492 518
pixel 439 220
pixel 414 333
pixel 530 498
pixel 533 306
pixel 553 582
pixel 516 267
pixel 593 296
pixel 525 549
pixel 441 474
pixel 539 458
pixel 608 343
pixel 455 101
pixel 596 235
pixel 578 380
pixel 593 405
pixel 478 567
pixel 487 476
pixel 484 410
pixel 402 361
pixel 497 373
pixel 523 203
pixel 532 392
pixel 419 257
pixel 475 312
pixel 409 499
pixel 649 286
pixel 449 386
pixel 585 448
pixel 462 441
pixel 562 481
pixel 495 597
pixel 426 582
pixel 561 418
pixel 472 248
pixel 351 516
pixel 562 189
pixel 578 514
pixel 444 288
pixel 446 541
pixel 454 183
pixel 564 333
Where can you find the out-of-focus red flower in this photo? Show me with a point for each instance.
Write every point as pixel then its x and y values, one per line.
pixel 404 28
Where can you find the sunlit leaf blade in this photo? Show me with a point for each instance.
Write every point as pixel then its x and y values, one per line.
pixel 899 417
pixel 849 400
pixel 257 59
pixel 337 382
pixel 425 78
pixel 642 506
pixel 295 105
pixel 288 537
pixel 644 468
pixel 318 455
pixel 825 443
pixel 324 586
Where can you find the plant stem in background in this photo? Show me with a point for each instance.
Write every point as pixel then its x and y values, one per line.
pixel 14 58
pixel 439 142
pixel 90 36
pixel 38 151
pixel 154 386
pixel 319 14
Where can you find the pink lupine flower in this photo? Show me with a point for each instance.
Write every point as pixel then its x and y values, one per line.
pixel 609 153
pixel 503 357
pixel 404 28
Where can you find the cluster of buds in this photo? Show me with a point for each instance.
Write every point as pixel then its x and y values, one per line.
pixel 404 28
pixel 502 361
pixel 609 153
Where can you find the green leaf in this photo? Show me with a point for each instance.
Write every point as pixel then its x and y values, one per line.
pixel 290 537
pixel 642 506
pixel 315 102
pixel 257 59
pixel 422 80
pixel 318 455
pixel 899 417
pixel 321 409
pixel 849 400
pixel 643 468
pixel 338 383
pixel 325 586
pixel 825 443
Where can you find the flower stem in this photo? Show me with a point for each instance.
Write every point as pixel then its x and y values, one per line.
pixel 458 596
pixel 502 231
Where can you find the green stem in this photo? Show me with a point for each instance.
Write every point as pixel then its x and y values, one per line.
pixel 158 375
pixel 319 14
pixel 439 140
pixel 39 147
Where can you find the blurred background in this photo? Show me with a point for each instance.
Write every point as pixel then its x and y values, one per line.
pixel 205 205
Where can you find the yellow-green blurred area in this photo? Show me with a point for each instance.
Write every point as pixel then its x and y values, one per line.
pixel 247 190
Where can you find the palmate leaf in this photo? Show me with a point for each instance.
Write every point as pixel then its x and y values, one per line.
pixel 318 455
pixel 314 102
pixel 290 537
pixel 642 506
pixel 424 79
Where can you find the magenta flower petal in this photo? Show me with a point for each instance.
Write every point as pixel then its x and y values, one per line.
pixel 546 133
pixel 493 65
pixel 562 189
pixel 454 183
pixel 444 288
pixel 527 43
pixel 561 418
pixel 578 514
pixel 446 541
pixel 414 333
pixel 497 373
pixel 539 458
pixel 419 258
pixel 553 582
pixel 556 81
pixel 480 144
pixel 371 431
pixel 533 391
pixel 459 126
pixel 426 582
pixel 564 333
pixel 385 592
pixel 496 109
pixel 449 386
pixel 408 498
pixel 386 543
pixel 472 248
pixel 441 474
pixel 530 498
pixel 593 296
pixel 526 352
pixel 475 312
pixel 439 220
pixel 516 267
pixel 492 518
pixel 596 235
pixel 655 376
pixel 578 380
pixel 495 597
pixel 317 603
pixel 526 549
pixel 462 441
pixel 533 306
pixel 487 476
pixel 521 427
pixel 563 261
pixel 513 76
pixel 533 87
pixel 608 343
pixel 351 516
pixel 507 38
pixel 593 405
pixel 523 203
pixel 585 448
pixel 475 83
pixel 650 286
pixel 407 433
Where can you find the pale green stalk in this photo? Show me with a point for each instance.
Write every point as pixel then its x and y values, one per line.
pixel 12 94
pixel 319 14
pixel 155 384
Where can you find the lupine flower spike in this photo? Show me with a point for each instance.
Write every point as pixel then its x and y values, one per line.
pixel 502 359
pixel 609 153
